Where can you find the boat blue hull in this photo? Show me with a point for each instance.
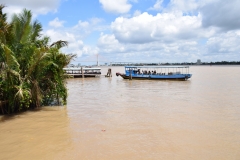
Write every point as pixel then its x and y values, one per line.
pixel 157 77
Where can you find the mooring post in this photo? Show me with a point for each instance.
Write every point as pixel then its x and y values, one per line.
pixel 82 72
pixel 109 73
pixel 130 75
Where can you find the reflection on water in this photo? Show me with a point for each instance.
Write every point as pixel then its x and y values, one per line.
pixel 112 118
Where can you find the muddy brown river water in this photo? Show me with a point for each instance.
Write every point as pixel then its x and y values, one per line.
pixel 117 119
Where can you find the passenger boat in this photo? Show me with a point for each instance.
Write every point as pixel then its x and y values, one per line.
pixel 156 72
pixel 80 72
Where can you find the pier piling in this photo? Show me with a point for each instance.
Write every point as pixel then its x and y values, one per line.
pixel 82 72
pixel 109 73
pixel 130 75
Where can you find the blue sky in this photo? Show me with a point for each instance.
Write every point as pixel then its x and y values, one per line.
pixel 140 30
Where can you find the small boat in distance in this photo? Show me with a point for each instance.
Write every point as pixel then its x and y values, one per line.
pixel 80 72
pixel 156 72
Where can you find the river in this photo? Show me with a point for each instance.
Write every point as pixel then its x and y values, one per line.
pixel 117 119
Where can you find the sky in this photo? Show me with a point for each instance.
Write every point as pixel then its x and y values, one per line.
pixel 156 31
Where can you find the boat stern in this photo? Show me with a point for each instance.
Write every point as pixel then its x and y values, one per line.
pixel 187 76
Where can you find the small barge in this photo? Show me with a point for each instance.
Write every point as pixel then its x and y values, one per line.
pixel 83 72
pixel 156 72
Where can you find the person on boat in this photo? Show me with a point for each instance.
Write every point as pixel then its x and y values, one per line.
pixel 139 72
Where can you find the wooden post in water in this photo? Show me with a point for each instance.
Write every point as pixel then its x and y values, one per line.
pixel 130 74
pixel 109 73
pixel 82 72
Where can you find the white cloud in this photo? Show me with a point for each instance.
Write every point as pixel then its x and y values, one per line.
pixel 162 27
pixel 182 50
pixel 225 44
pixel 30 3
pixel 75 36
pixel 96 21
pixel 220 47
pixel 56 23
pixel 137 13
pixel 184 5
pixel 76 45
pixel 169 37
pixel 134 1
pixel 91 24
pixel 56 35
pixel 60 35
pixel 157 5
pixel 85 28
pixel 37 7
pixel 116 6
pixel 222 14
pixel 106 40
pixel 109 44
pixel 82 24
pixel 189 7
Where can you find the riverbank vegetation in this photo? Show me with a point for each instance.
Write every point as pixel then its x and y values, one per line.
pixel 31 69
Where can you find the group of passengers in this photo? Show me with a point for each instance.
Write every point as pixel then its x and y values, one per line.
pixel 148 72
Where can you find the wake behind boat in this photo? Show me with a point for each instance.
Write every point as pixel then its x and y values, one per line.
pixel 156 72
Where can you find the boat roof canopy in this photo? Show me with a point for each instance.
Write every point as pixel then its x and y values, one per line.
pixel 77 69
pixel 156 66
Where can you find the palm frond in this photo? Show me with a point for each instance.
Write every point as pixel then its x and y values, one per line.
pixel 22 96
pixel 4 26
pixel 39 56
pixel 36 30
pixel 22 26
pixel 9 57
pixel 59 44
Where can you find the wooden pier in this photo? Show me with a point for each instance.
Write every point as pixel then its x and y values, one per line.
pixel 82 72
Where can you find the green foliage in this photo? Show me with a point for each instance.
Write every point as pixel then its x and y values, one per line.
pixel 31 70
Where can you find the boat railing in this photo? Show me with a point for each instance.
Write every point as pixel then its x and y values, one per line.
pixel 169 70
pixel 157 73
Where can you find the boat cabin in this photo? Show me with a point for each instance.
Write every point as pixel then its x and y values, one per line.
pixel 157 70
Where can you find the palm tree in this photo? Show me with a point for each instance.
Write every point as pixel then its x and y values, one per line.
pixel 9 76
pixel 9 66
pixel 56 88
pixel 31 71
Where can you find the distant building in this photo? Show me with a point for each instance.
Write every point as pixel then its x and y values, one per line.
pixel 199 62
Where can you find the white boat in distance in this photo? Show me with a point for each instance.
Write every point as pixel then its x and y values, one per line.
pixel 86 72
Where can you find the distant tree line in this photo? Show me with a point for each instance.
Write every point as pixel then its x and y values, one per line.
pixel 183 63
pixel 222 63
pixel 206 63
pixel 31 69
